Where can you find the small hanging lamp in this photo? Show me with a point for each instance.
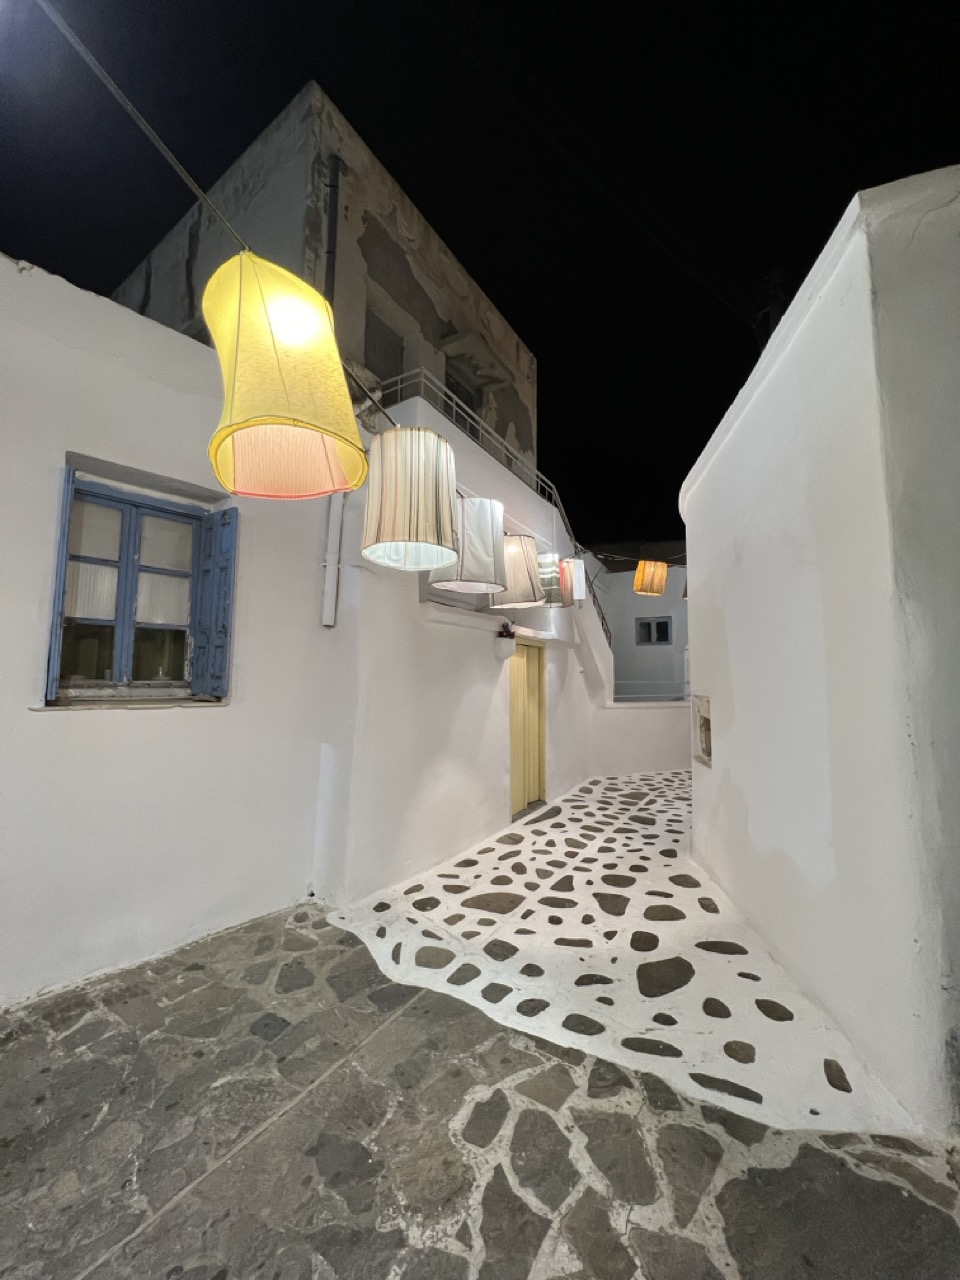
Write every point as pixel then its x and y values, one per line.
pixel 650 578
pixel 411 519
pixel 288 428
pixel 573 580
pixel 480 567
pixel 549 564
pixel 523 574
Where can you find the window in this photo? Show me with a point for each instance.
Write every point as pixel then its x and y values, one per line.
pixel 654 631
pixel 470 396
pixel 144 597
pixel 382 348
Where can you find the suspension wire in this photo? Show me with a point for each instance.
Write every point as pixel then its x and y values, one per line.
pixel 71 36
pixel 368 393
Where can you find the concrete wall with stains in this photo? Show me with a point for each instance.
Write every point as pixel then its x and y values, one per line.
pixel 293 202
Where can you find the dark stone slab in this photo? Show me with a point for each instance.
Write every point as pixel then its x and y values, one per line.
pixel 606 1080
pixel 355 1252
pixel 659 1094
pixel 903 1145
pixel 433 957
pixel 498 903
pixel 666 1257
pixel 929 1188
pixel 512 1232
pixel 551 1087
pixel 661 977
pixel 435 1264
pixel 587 1228
pixel 268 1026
pixel 617 1148
pixel 347 1167
pixel 539 1154
pixel 730 1087
pixel 294 976
pixel 744 1130
pixel 486 1119
pixel 817 1218
pixel 690 1158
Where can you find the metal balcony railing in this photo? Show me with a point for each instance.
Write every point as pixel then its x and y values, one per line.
pixel 421 382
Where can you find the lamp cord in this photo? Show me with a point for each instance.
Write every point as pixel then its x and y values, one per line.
pixel 70 35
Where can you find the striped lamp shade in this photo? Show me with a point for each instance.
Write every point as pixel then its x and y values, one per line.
pixel 573 580
pixel 287 429
pixel 480 568
pixel 410 520
pixel 650 578
pixel 550 579
pixel 523 574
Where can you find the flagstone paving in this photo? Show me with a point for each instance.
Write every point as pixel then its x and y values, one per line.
pixel 266 1105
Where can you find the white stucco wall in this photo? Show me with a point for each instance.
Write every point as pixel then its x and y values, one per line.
pixel 798 528
pixel 653 671
pixel 126 832
pixel 345 757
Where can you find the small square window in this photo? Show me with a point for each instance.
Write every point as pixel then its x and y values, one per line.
pixel 654 630
pixel 144 595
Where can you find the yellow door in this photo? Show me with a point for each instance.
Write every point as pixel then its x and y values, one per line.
pixel 527 727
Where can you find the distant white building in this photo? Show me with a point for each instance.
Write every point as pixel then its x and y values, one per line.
pixel 649 633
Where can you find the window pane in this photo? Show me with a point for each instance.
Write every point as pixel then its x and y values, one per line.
pixel 166 544
pixel 663 631
pixel 159 654
pixel 643 632
pixel 163 599
pixel 91 590
pixel 94 530
pixel 87 652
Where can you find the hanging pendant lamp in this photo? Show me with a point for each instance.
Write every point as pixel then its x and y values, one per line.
pixel 650 578
pixel 549 564
pixel 288 428
pixel 411 518
pixel 523 574
pixel 573 580
pixel 480 567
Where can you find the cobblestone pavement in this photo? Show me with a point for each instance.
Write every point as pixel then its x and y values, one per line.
pixel 266 1105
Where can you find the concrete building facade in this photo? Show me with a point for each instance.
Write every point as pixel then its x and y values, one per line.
pixel 311 196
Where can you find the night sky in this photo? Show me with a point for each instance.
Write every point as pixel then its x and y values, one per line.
pixel 631 195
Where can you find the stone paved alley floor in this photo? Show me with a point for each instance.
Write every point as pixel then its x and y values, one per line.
pixel 266 1105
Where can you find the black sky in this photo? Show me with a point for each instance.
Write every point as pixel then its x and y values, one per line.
pixel 622 183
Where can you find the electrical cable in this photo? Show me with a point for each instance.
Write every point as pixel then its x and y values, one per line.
pixel 109 83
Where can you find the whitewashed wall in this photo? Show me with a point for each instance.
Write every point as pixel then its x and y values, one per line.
pixel 827 708
pixel 345 757
pixel 126 832
pixel 652 671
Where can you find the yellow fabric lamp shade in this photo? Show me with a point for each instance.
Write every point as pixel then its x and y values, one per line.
pixel 288 428
pixel 480 567
pixel 411 516
pixel 550 580
pixel 650 578
pixel 524 590
pixel 573 580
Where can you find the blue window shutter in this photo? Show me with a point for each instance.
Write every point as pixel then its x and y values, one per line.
pixel 59 586
pixel 214 625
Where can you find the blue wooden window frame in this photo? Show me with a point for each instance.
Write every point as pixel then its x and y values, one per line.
pixel 211 594
pixel 653 623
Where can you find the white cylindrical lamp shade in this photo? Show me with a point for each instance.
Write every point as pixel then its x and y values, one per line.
pixel 650 578
pixel 573 580
pixel 523 574
pixel 480 568
pixel 550 579
pixel 411 520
